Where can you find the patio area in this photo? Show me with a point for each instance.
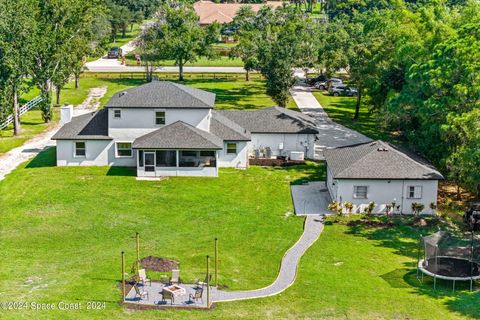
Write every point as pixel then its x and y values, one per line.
pixel 182 299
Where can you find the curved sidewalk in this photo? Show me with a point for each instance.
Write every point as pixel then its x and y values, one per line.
pixel 313 227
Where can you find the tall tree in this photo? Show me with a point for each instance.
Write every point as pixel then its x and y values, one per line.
pixel 61 23
pixel 17 27
pixel 178 36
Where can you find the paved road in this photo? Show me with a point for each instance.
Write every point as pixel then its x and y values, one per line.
pixel 288 270
pixel 331 134
pixel 114 66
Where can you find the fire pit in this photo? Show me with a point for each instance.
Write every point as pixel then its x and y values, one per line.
pixel 175 290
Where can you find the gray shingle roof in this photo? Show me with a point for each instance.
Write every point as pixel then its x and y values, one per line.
pixel 378 160
pixel 90 126
pixel 226 129
pixel 162 94
pixel 272 120
pixel 178 135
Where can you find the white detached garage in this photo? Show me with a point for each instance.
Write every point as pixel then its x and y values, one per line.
pixel 383 173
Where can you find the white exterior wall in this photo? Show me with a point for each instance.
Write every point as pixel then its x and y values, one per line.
pixel 291 142
pixel 96 153
pixel 239 160
pixel 136 122
pixel 383 192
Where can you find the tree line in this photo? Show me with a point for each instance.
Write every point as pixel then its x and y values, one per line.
pixel 44 43
pixel 416 64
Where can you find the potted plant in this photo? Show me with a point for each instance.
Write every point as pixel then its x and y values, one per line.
pixel 336 206
pixel 369 209
pixel 417 208
pixel 433 207
pixel 388 209
pixel 349 206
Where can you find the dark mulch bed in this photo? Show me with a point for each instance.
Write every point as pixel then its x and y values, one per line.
pixel 275 162
pixel 159 264
pixel 370 223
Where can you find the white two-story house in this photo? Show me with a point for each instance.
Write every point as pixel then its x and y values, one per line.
pixel 167 129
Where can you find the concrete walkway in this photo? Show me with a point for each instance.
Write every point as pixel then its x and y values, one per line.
pixel 288 270
pixel 311 198
pixel 13 158
pixel 331 134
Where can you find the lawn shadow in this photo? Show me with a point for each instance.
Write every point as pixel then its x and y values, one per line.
pixel 313 171
pixel 403 238
pixel 122 171
pixel 45 158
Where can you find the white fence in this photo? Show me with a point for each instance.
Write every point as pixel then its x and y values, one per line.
pixel 23 109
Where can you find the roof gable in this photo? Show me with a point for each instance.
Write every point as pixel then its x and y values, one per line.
pixel 90 126
pixel 162 95
pixel 178 135
pixel 378 160
pixel 272 120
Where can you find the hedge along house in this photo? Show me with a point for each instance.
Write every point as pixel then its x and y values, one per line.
pixel 167 129
pixel 383 173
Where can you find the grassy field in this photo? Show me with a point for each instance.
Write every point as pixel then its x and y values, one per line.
pixel 63 230
pixel 342 110
pixel 220 61
pixel 232 93
pixel 32 122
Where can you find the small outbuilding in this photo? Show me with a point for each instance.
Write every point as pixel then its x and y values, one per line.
pixel 391 177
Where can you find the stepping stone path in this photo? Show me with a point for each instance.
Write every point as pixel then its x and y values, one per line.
pixel 288 270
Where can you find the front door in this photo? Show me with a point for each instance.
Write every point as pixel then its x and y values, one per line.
pixel 149 163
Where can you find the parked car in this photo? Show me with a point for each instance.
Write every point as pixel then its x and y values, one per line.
pixel 324 85
pixel 314 80
pixel 114 53
pixel 342 90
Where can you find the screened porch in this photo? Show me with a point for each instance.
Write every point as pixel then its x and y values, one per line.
pixel 158 163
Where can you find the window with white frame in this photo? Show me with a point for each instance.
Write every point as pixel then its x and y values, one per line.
pixel 231 148
pixel 159 117
pixel 117 114
pixel 360 192
pixel 414 192
pixel 124 149
pixel 80 149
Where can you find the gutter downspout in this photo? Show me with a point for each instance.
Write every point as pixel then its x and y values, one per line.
pixel 403 191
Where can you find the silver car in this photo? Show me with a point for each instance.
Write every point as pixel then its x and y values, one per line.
pixel 342 90
pixel 324 85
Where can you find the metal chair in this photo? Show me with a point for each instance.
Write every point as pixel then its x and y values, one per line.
pixel 168 295
pixel 198 294
pixel 175 278
pixel 140 293
pixel 142 277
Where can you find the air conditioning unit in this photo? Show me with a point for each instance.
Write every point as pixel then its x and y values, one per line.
pixel 297 155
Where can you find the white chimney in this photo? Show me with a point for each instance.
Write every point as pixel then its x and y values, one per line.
pixel 66 114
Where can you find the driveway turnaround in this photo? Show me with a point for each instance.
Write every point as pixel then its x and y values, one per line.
pixel 310 198
pixel 288 270
pixel 331 134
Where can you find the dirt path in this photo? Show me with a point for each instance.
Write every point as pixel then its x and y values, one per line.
pixel 13 158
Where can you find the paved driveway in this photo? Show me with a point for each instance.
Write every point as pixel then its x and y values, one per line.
pixel 331 134
pixel 311 198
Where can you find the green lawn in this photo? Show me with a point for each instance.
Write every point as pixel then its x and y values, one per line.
pixel 31 125
pixel 32 122
pixel 63 229
pixel 220 61
pixel 342 110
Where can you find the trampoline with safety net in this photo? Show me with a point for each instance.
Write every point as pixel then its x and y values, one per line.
pixel 449 257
